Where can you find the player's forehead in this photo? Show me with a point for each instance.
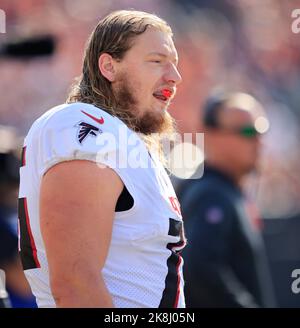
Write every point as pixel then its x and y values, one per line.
pixel 153 42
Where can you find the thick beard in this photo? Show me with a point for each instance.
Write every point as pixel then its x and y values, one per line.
pixel 149 122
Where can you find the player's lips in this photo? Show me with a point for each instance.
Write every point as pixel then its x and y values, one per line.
pixel 164 94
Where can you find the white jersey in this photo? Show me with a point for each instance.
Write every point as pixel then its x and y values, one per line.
pixel 143 267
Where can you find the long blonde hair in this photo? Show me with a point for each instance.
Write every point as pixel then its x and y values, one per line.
pixel 114 35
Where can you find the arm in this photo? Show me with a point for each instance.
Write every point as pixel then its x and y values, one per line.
pixel 77 206
pixel 15 278
pixel 10 261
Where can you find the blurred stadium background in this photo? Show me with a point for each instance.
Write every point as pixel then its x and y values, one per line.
pixel 244 45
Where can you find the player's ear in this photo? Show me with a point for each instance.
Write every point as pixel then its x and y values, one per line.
pixel 106 65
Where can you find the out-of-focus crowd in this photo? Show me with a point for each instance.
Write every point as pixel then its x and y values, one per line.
pixel 240 45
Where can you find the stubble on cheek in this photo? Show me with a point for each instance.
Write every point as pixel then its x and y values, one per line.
pixel 143 120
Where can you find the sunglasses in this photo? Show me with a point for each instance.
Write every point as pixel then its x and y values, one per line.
pixel 247 131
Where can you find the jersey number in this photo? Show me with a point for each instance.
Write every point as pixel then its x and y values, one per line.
pixel 171 292
pixel 27 246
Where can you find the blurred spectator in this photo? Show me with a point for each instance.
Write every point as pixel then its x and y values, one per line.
pixel 225 261
pixel 18 288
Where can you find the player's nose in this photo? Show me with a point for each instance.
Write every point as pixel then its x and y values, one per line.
pixel 173 75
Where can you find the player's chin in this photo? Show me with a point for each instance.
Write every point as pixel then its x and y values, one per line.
pixel 152 122
pixel 162 111
pixel 161 105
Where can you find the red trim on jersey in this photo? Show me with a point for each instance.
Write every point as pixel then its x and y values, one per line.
pixel 24 156
pixel 19 236
pixel 32 243
pixel 175 205
pixel 178 281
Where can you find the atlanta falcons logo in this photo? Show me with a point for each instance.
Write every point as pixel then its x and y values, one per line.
pixel 86 129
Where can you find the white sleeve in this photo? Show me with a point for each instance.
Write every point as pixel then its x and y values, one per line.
pixel 71 134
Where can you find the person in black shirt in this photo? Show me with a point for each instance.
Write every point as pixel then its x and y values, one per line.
pixel 18 293
pixel 225 260
pixel 8 240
